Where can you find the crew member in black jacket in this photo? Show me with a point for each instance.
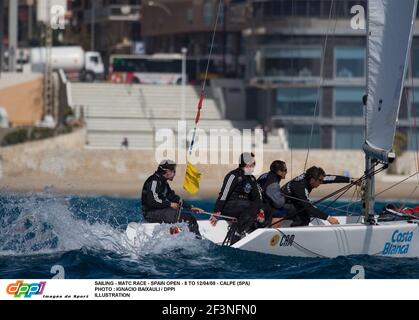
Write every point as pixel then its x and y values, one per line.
pixel 161 204
pixel 273 198
pixel 298 191
pixel 240 197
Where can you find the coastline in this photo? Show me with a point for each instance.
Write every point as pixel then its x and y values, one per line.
pixel 131 188
pixel 65 163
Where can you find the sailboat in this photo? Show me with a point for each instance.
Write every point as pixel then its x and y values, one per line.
pixel 389 38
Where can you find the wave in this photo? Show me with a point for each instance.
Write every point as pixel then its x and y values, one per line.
pixel 45 223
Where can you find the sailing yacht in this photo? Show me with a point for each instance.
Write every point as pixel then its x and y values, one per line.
pixel 389 38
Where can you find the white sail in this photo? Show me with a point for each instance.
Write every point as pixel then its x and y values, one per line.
pixel 390 28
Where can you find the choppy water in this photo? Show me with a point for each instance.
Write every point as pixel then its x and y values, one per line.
pixel 86 236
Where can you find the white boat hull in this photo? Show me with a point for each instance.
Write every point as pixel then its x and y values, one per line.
pixel 389 239
pixel 214 234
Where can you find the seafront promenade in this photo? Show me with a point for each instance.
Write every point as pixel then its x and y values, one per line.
pixel 65 163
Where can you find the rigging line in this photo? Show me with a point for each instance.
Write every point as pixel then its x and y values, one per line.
pixel 301 247
pixel 220 5
pixel 293 214
pixel 326 206
pixel 352 213
pixel 411 103
pixel 415 126
pixel 291 160
pixel 412 113
pixel 352 184
pixel 410 196
pixel 347 188
pixel 352 202
pixel 332 4
pixel 304 201
pixel 397 184
pixel 344 190
pixel 413 129
pixel 340 196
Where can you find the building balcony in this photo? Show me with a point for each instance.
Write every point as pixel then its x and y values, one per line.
pixel 114 13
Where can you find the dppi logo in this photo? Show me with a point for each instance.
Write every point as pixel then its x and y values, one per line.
pixel 26 290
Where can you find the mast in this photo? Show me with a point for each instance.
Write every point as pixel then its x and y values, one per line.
pixel 369 191
pixel 368 200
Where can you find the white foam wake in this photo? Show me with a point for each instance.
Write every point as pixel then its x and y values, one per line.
pixel 44 224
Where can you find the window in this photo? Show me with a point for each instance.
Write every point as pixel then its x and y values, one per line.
pixel 340 9
pixel 94 59
pixel 414 98
pixel 314 9
pixel 296 101
pixel 413 139
pixel 164 66
pixel 348 102
pixel 299 137
pixel 325 7
pixel 208 13
pixel 353 3
pixel 348 138
pixel 272 8
pixel 257 10
pixel 221 15
pixel 300 8
pixel 292 62
pixel 189 15
pixel 147 65
pixel 415 62
pixel 287 7
pixel 350 62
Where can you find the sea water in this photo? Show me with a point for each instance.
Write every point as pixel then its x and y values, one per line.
pixel 43 235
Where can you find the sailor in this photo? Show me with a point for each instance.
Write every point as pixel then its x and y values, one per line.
pixel 240 197
pixel 274 200
pixel 161 204
pixel 298 191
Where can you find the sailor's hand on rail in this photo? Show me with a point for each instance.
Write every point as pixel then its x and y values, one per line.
pixel 174 205
pixel 214 218
pixel 197 210
pixel 333 220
